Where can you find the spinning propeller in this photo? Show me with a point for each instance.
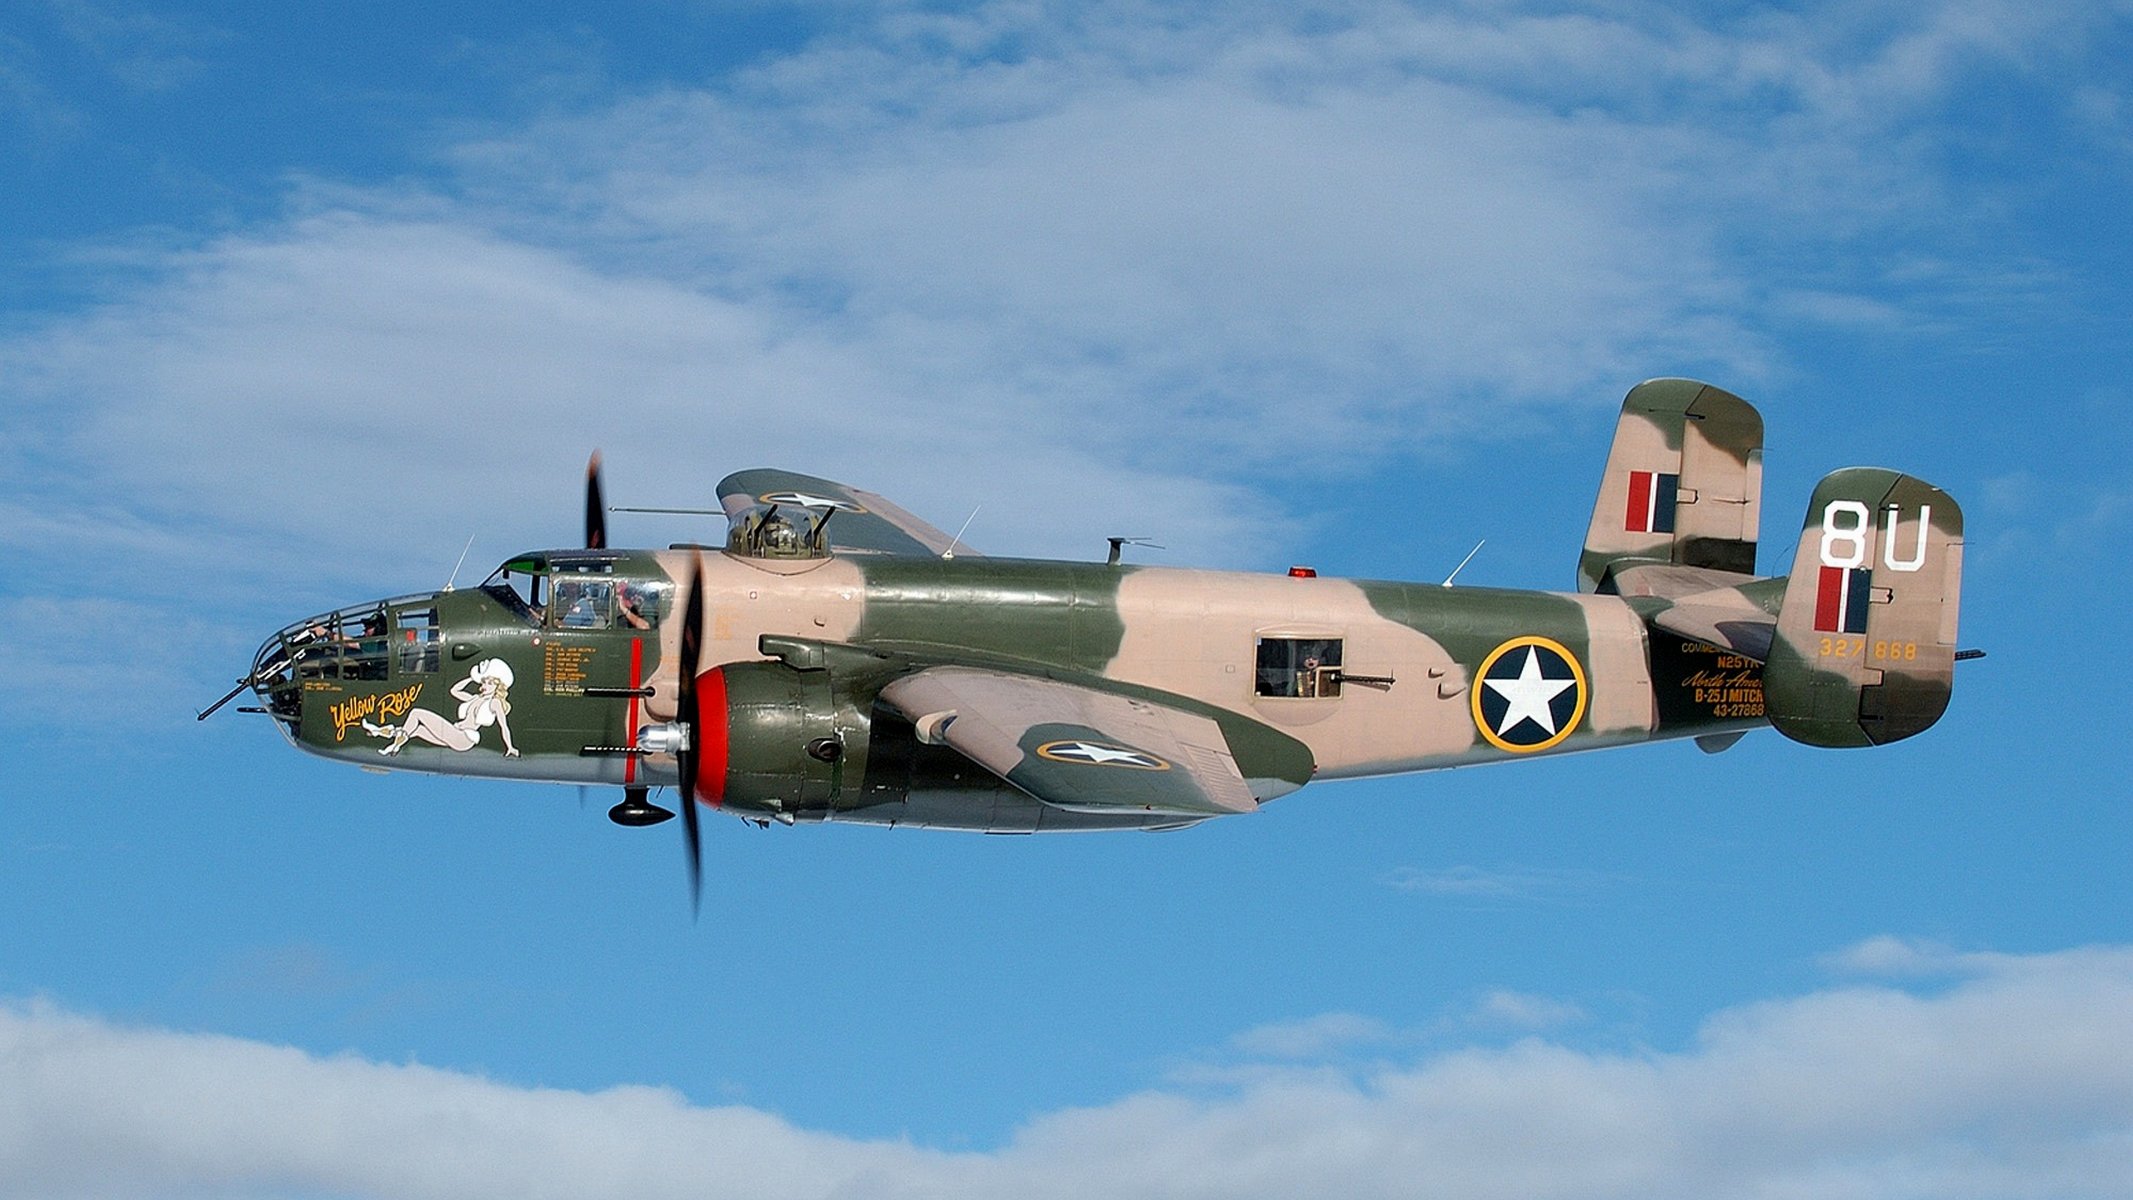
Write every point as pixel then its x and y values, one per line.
pixel 595 506
pixel 685 760
pixel 636 810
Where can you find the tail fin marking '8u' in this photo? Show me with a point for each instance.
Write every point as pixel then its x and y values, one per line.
pixel 1865 648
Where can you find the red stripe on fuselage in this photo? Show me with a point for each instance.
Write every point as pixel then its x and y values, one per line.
pixel 711 732
pixel 629 762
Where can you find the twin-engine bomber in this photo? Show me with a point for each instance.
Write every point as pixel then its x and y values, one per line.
pixel 839 659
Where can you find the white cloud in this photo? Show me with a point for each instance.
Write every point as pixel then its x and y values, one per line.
pixel 383 387
pixel 1506 1009
pixel 1102 273
pixel 56 648
pixel 2017 1080
pixel 1312 1037
pixel 1467 882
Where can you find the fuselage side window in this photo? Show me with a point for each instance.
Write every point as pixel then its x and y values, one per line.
pixel 415 641
pixel 1306 668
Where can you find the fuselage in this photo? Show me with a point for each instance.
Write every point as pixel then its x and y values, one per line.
pixel 1373 677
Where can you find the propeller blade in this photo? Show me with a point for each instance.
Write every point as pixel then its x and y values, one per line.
pixel 692 644
pixel 595 506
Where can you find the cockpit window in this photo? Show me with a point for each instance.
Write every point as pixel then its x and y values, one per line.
pixel 639 604
pixel 587 594
pixel 521 585
pixel 583 602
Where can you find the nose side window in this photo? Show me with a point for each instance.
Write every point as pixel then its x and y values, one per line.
pixel 415 641
pixel 361 641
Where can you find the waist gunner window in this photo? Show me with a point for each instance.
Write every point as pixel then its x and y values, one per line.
pixel 1306 668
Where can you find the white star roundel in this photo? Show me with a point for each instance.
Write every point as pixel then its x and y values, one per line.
pixel 1529 694
pixel 809 500
pixel 1101 754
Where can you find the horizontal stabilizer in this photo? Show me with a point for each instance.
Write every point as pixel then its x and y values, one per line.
pixel 1734 612
pixel 1746 633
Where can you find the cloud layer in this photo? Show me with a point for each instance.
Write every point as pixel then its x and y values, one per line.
pixel 2016 1079
pixel 1144 259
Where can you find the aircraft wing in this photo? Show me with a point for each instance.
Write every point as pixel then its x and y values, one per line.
pixel 865 523
pixel 1083 748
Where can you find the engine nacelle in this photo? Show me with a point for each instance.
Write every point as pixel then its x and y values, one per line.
pixel 768 739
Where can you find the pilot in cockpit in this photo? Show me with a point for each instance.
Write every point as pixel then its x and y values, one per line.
pixel 630 601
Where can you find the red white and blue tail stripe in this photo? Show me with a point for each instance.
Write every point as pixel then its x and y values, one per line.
pixel 1652 496
pixel 1841 599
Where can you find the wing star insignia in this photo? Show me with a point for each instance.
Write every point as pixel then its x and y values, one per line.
pixel 1530 701
pixel 1102 755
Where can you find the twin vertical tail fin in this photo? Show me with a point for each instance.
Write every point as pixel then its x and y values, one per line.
pixel 1683 487
pixel 1865 646
pixel 1861 650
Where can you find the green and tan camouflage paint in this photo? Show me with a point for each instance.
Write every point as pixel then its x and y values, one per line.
pixel 1667 639
pixel 1712 440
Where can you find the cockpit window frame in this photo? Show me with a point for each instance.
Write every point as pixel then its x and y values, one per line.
pixel 581 600
pixel 417 638
pixel 531 606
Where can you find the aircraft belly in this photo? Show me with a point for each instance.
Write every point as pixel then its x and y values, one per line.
pixel 433 760
pixel 1003 812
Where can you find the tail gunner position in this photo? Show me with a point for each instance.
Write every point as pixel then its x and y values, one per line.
pixel 840 659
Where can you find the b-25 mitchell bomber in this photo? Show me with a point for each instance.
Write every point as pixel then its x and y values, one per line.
pixel 838 659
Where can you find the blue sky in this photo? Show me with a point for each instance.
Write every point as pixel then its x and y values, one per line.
pixel 293 303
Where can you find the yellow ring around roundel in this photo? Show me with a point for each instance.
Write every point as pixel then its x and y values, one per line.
pixel 1155 761
pixel 1577 714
